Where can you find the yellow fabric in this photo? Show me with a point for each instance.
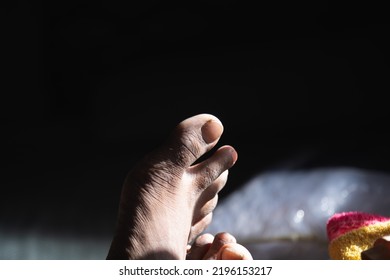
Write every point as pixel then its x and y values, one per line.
pixel 350 245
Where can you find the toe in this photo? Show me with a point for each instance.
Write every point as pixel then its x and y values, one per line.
pixel 220 240
pixel 234 251
pixel 209 170
pixel 204 209
pixel 213 189
pixel 200 247
pixel 191 139
pixel 208 199
pixel 200 226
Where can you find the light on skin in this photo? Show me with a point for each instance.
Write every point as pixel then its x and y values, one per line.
pixel 168 198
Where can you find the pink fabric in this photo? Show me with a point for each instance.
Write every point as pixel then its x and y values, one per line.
pixel 343 222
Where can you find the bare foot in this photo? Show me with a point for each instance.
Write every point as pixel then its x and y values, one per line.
pixel 221 247
pixel 167 200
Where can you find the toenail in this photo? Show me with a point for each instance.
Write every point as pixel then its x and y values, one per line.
pixel 211 131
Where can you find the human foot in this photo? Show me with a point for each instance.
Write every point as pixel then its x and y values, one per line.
pixel 168 198
pixel 221 247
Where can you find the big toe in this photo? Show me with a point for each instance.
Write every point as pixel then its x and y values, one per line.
pixel 192 138
pixel 189 141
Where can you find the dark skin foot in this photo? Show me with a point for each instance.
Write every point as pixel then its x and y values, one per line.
pixel 167 200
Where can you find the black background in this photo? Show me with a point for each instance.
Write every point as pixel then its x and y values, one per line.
pixel 90 87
